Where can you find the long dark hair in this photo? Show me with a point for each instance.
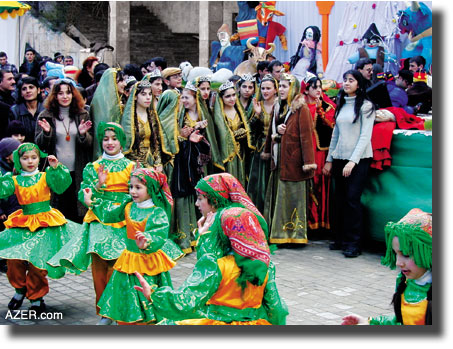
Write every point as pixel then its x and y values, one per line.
pixel 299 53
pixel 77 103
pixel 360 94
pixel 149 112
pixel 396 301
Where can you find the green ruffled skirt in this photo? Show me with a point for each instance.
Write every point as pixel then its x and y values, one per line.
pixel 38 247
pixel 122 302
pixel 258 180
pixel 104 240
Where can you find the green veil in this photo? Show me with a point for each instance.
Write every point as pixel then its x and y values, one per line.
pixel 106 105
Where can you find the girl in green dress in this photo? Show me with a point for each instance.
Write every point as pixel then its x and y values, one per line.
pixel 233 130
pixel 149 250
pixel 37 231
pixel 259 123
pixel 105 192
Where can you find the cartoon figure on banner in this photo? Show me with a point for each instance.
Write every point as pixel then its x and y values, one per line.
pixel 308 57
pixel 417 21
pixel 373 48
pixel 267 28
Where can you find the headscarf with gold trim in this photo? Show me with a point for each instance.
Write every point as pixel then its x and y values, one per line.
pixel 157 186
pixel 249 245
pixel 167 110
pixel 229 147
pixel 105 105
pixel 24 147
pixel 128 121
pixel 414 233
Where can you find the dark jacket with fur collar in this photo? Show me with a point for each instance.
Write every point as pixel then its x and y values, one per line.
pixel 296 151
pixel 83 149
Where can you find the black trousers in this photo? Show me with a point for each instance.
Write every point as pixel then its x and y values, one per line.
pixel 347 220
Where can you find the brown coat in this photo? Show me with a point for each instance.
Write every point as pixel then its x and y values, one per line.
pixel 296 149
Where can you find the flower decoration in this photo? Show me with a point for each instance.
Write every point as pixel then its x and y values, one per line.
pixel 373 6
pixel 341 43
pixel 356 40
pixel 397 36
pixel 354 26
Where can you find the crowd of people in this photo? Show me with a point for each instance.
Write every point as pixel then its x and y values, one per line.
pixel 126 170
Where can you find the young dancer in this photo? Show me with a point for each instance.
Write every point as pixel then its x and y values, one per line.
pixel 233 282
pixel 409 247
pixel 105 192
pixel 148 251
pixel 37 231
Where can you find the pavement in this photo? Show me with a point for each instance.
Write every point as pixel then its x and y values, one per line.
pixel 318 285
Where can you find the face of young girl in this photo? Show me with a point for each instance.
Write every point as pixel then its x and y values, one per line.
pixel 110 143
pixel 138 190
pixel 229 97
pixel 350 85
pixel 247 89
pixel 156 87
pixel 268 90
pixel 314 92
pixel 203 205
pixel 187 99
pixel 205 90
pixel 144 98
pixel 406 263
pixel 29 161
pixel 283 89
pixel 64 96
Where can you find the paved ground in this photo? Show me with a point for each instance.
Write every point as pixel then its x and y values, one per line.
pixel 319 286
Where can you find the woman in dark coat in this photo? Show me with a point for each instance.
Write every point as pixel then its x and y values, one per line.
pixel 64 130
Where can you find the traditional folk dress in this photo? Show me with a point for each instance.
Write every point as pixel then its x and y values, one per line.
pixel 120 301
pixel 319 195
pixel 259 168
pixel 236 142
pixel 412 298
pixel 144 140
pixel 233 282
pixel 104 228
pixel 292 164
pixel 188 165
pixel 36 232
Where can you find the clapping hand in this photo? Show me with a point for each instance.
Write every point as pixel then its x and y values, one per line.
pixel 53 161
pixel 87 194
pixel 44 125
pixel 195 137
pixel 102 176
pixel 204 223
pixel 84 126
pixel 141 240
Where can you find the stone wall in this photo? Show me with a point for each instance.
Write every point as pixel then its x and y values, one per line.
pixel 45 41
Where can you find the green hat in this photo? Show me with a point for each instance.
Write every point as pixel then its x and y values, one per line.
pixel 24 147
pixel 111 126
pixel 414 233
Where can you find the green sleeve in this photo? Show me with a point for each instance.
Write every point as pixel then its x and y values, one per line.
pixel 90 179
pixel 7 186
pixel 275 307
pixel 189 301
pixel 58 179
pixel 156 230
pixel 384 320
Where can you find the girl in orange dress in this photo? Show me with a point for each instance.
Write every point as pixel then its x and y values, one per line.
pixel 37 231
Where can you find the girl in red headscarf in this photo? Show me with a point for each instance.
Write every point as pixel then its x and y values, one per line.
pixel 233 282
pixel 148 250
